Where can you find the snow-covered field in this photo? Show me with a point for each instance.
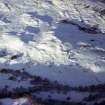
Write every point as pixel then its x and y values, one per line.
pixel 57 40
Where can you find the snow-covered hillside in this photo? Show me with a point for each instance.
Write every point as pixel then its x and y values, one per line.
pixel 60 41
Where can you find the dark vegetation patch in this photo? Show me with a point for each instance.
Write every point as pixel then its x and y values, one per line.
pixel 43 85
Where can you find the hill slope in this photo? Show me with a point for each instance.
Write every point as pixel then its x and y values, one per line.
pixel 59 41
